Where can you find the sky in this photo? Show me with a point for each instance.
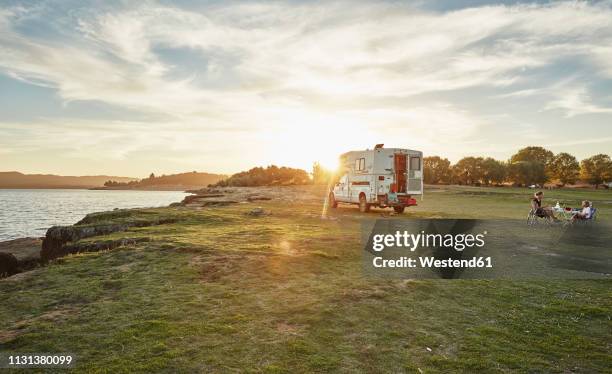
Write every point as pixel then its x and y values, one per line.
pixel 128 88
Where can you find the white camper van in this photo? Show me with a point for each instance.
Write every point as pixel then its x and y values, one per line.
pixel 382 177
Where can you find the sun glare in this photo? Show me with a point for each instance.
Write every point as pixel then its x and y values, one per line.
pixel 303 137
pixel 329 164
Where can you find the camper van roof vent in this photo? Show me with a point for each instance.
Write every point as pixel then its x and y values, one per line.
pixel 378 146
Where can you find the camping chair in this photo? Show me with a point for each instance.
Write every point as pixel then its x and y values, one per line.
pixel 591 219
pixel 533 218
pixel 593 213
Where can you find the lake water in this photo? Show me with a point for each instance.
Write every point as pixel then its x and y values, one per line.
pixel 29 213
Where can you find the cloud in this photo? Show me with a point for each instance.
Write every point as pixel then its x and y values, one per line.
pixel 374 64
pixel 118 142
pixel 602 57
pixel 328 49
pixel 576 101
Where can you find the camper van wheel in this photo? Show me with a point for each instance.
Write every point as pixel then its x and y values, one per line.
pixel 399 209
pixel 364 207
pixel 332 200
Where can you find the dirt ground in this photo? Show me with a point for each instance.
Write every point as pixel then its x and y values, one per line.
pixel 235 195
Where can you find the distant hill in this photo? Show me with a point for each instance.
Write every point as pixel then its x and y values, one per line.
pixel 270 176
pixel 182 181
pixel 13 179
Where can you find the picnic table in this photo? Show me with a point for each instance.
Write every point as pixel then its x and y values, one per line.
pixel 565 212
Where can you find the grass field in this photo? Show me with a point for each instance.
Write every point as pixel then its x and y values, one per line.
pixel 224 291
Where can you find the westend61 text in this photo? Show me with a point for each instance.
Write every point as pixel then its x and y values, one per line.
pixel 431 262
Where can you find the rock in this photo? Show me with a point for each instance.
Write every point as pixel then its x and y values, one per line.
pixel 207 199
pixel 189 199
pixel 219 203
pixel 257 212
pixel 58 236
pixel 193 198
pixel 26 251
pixel 204 190
pixel 255 198
pixel 94 218
pixel 8 264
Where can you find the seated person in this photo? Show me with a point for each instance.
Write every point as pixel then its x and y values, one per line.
pixel 539 210
pixel 585 213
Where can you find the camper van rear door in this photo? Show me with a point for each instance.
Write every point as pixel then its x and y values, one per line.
pixel 399 164
pixel 414 174
pixel 415 163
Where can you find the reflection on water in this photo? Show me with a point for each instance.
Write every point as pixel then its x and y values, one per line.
pixel 26 213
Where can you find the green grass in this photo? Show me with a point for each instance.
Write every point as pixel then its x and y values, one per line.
pixel 503 202
pixel 222 291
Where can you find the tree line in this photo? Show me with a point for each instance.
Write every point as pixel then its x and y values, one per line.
pixel 269 176
pixel 529 166
pixel 185 179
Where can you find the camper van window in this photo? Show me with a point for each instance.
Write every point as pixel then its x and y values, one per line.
pixel 415 163
pixel 360 164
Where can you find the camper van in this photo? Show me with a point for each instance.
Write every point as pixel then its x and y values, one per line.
pixel 380 177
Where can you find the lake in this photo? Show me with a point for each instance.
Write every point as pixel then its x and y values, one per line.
pixel 29 213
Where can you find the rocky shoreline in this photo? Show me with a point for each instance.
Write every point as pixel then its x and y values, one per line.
pixel 19 255
pixel 24 254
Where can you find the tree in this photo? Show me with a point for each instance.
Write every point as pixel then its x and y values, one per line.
pixel 111 183
pixel 468 170
pixel 533 154
pixel 526 173
pixel 436 170
pixel 565 168
pixel 270 176
pixel 151 176
pixel 493 171
pixel 531 165
pixel 596 169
